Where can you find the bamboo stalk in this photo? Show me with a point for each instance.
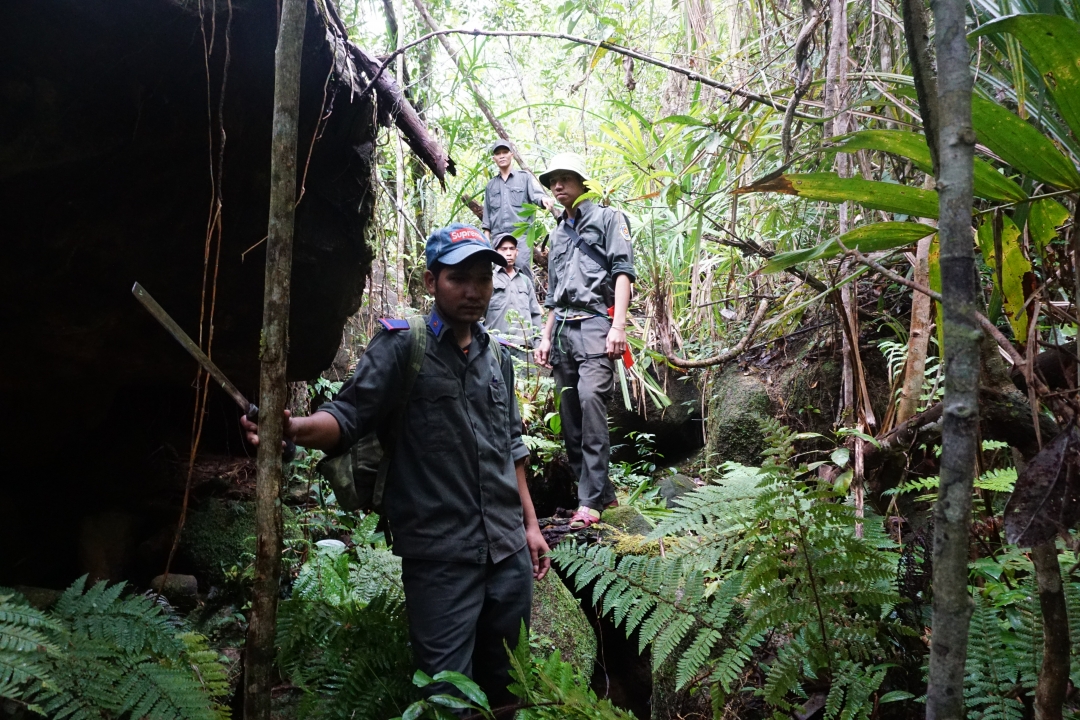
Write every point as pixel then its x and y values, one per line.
pixel 259 648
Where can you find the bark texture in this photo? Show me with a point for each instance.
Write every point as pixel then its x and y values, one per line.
pixel 259 649
pixel 952 605
pixel 917 35
pixel 918 338
pixel 1054 674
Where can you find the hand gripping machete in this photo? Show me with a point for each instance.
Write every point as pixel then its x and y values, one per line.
pixel 251 410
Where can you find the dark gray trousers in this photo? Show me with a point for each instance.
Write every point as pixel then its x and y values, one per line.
pixel 585 379
pixel 461 613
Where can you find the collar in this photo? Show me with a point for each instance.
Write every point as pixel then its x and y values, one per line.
pixel 436 324
pixel 583 209
pixel 440 328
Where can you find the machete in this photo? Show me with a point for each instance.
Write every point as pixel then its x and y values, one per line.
pixel 251 410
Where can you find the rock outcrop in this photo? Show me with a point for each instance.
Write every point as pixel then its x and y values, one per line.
pixel 130 133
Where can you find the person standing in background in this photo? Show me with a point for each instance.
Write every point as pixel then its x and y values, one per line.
pixel 505 197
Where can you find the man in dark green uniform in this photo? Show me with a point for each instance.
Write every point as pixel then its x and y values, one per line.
pixel 590 270
pixel 505 197
pixel 455 498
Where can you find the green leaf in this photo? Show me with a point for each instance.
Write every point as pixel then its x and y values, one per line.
pixel 989 183
pixel 414 711
pixel 873 237
pixel 840 456
pixel 1021 145
pixel 830 187
pixel 1043 221
pixel 421 679
pixel 1014 267
pixel 894 696
pixel 1053 44
pixel 451 702
pixel 468 688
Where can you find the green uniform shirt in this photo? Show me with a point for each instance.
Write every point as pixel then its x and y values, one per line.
pixel 518 294
pixel 504 200
pixel 451 490
pixel 575 280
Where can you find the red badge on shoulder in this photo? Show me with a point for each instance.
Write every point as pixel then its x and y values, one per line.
pixel 394 324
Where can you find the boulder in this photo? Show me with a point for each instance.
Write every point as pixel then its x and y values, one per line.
pixel 182 591
pixel 738 402
pixel 627 519
pixel 216 536
pixel 123 136
pixel 558 623
pixel 672 487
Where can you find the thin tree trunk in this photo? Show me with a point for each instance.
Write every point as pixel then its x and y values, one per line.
pixel 1054 673
pixel 481 102
pixel 259 648
pixel 399 186
pixel 952 604
pixel 917 35
pixel 918 338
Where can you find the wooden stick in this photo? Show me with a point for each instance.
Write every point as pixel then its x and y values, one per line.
pixel 259 648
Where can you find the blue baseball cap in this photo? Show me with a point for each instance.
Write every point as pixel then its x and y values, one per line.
pixel 457 242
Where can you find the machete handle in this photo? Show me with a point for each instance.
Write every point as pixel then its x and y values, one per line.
pixel 289 451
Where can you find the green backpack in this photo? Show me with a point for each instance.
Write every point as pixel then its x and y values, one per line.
pixel 358 476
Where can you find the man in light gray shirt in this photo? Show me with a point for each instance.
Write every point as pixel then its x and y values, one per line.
pixel 514 312
pixel 505 197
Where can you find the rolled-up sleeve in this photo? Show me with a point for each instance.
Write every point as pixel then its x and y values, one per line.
pixel 620 253
pixel 365 400
pixel 534 191
pixel 518 451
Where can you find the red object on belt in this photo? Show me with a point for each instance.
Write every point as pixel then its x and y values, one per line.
pixel 627 356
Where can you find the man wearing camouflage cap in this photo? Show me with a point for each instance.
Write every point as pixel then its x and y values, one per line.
pixel 505 197
pixel 590 271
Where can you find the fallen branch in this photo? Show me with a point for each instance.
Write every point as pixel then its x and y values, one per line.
pixel 727 354
pixel 618 49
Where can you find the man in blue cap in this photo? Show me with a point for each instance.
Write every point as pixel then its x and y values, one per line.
pixel 455 496
pixel 505 197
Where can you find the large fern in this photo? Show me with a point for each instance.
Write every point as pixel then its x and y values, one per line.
pixel 343 637
pixel 100 654
pixel 779 557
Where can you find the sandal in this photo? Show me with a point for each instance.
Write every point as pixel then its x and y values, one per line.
pixel 583 518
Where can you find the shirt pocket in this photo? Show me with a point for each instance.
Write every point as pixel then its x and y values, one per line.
pixel 590 266
pixel 436 403
pixel 517 197
pixel 494 200
pixel 500 416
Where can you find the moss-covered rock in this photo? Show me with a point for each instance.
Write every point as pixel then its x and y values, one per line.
pixel 627 519
pixel 738 403
pixel 558 623
pixel 216 536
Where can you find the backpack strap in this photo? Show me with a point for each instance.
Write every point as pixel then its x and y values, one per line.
pixel 595 255
pixel 417 351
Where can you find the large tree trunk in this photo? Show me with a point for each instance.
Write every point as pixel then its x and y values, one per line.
pixel 259 649
pixel 952 605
